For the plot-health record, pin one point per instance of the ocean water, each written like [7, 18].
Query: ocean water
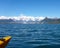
[31, 35]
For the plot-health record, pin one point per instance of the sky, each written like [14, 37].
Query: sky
[42, 8]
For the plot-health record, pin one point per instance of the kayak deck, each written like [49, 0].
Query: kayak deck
[4, 41]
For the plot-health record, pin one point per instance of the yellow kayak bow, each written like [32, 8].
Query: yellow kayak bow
[4, 41]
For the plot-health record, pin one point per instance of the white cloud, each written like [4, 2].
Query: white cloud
[22, 17]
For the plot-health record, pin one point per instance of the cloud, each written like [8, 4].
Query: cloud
[22, 17]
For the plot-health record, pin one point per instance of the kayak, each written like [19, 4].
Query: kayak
[4, 41]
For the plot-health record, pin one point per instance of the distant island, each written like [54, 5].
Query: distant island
[46, 20]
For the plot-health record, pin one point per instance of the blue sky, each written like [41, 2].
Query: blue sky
[49, 8]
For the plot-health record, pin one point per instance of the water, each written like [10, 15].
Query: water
[32, 35]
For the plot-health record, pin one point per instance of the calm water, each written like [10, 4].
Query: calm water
[32, 35]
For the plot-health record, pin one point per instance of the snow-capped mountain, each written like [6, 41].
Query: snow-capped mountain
[21, 19]
[29, 20]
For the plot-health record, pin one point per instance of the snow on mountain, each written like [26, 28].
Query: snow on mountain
[24, 18]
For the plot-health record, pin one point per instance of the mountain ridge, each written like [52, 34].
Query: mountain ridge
[46, 20]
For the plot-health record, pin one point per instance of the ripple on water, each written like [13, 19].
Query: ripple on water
[31, 36]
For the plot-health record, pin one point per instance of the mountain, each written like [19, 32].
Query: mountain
[6, 21]
[30, 21]
[18, 21]
[50, 21]
[27, 22]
